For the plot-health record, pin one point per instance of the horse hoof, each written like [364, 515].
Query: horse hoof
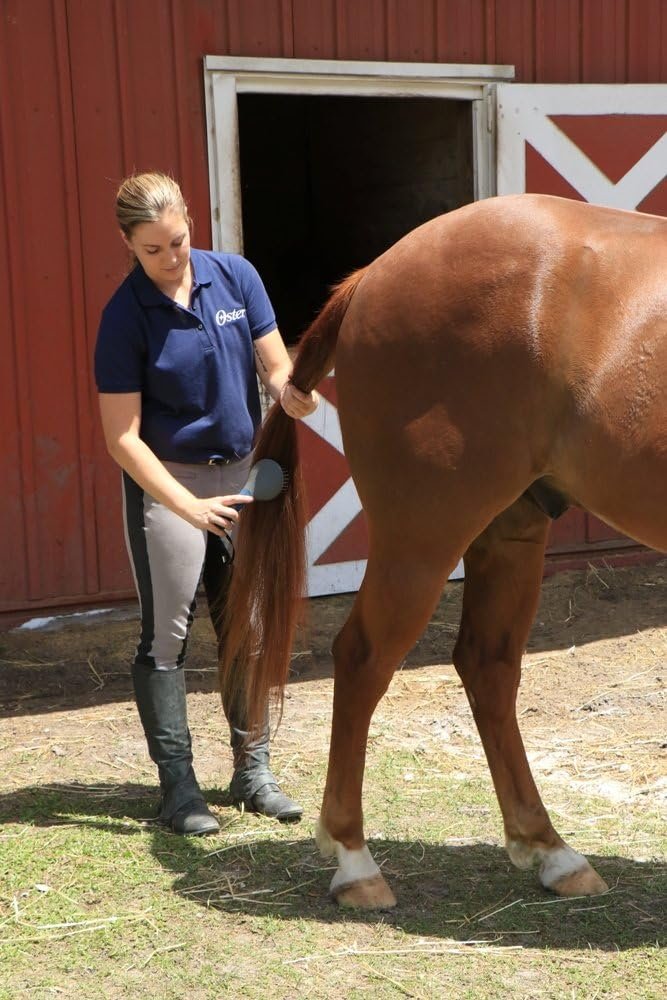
[585, 882]
[568, 873]
[366, 894]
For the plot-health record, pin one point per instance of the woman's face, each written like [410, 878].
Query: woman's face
[162, 248]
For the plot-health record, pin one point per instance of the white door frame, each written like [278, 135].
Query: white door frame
[225, 77]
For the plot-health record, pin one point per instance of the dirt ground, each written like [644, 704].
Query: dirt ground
[597, 653]
[250, 909]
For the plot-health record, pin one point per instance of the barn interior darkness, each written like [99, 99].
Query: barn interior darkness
[328, 183]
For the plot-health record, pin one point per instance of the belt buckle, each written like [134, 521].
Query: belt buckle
[218, 461]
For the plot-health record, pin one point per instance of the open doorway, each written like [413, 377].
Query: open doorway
[330, 182]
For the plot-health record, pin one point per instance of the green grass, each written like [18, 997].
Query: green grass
[95, 904]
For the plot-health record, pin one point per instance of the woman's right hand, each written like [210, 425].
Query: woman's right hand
[121, 420]
[215, 514]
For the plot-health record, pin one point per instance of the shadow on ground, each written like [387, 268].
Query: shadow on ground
[463, 892]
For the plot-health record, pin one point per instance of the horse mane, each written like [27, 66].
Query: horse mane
[264, 601]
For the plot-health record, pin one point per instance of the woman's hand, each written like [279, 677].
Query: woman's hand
[296, 403]
[121, 420]
[215, 514]
[274, 369]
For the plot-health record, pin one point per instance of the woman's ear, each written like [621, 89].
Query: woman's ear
[125, 239]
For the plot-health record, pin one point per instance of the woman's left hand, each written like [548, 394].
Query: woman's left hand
[296, 403]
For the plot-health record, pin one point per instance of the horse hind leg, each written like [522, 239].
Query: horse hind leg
[388, 617]
[503, 574]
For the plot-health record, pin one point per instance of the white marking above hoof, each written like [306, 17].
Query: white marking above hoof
[562, 870]
[568, 873]
[353, 866]
[358, 883]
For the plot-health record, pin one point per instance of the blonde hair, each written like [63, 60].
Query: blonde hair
[145, 197]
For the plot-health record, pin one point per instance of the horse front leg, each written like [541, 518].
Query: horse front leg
[503, 574]
[384, 623]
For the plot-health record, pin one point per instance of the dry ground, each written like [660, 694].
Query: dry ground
[596, 662]
[592, 708]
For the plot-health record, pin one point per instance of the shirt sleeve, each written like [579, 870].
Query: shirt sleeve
[119, 353]
[259, 311]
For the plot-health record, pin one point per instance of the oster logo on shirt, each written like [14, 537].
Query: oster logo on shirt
[222, 317]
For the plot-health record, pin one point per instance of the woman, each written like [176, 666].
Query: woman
[179, 347]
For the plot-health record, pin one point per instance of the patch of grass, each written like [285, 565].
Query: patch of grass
[94, 904]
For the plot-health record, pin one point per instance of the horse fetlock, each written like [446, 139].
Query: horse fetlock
[358, 882]
[353, 866]
[562, 870]
[326, 845]
[523, 855]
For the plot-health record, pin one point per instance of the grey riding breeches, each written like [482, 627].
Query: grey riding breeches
[169, 556]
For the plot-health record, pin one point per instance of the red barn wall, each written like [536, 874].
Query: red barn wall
[90, 91]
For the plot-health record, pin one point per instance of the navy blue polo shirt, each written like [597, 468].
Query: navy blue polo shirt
[195, 368]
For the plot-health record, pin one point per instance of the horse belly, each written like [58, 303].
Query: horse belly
[626, 489]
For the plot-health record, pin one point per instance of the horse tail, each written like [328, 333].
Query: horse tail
[264, 601]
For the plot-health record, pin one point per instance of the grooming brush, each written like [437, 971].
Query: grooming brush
[266, 480]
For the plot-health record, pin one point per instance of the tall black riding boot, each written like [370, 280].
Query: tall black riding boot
[253, 785]
[161, 701]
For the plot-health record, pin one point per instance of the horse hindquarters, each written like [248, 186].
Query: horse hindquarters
[503, 574]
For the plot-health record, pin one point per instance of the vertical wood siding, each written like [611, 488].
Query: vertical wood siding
[91, 91]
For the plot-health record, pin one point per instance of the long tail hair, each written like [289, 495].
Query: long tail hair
[268, 581]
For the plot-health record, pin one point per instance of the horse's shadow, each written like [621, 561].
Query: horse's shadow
[462, 892]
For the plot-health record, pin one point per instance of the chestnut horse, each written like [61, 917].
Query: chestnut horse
[494, 366]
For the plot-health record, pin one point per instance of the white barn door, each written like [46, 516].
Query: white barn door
[336, 537]
[605, 144]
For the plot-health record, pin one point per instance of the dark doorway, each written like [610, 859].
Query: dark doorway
[329, 183]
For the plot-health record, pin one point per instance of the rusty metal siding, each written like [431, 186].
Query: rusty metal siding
[548, 41]
[90, 91]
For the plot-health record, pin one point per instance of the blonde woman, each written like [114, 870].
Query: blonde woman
[179, 347]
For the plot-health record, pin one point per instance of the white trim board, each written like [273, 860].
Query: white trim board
[247, 66]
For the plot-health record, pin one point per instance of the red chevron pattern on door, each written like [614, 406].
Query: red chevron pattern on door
[337, 537]
[603, 144]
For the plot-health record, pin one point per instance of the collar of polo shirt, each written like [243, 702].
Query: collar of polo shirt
[150, 295]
